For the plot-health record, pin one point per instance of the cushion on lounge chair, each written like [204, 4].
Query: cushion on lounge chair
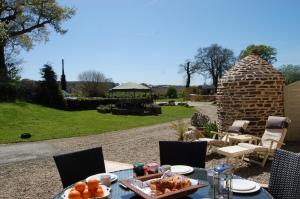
[256, 148]
[241, 123]
[275, 122]
[236, 129]
[274, 134]
[234, 151]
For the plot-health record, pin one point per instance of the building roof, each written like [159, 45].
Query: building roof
[130, 86]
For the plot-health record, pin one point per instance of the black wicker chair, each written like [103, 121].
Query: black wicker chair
[76, 166]
[285, 175]
[183, 153]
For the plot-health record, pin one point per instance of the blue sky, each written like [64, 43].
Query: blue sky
[146, 40]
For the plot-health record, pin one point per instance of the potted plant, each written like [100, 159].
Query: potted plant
[199, 120]
[180, 127]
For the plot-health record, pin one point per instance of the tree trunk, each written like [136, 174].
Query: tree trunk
[3, 68]
[215, 83]
[188, 75]
[188, 80]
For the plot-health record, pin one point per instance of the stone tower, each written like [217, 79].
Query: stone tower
[251, 90]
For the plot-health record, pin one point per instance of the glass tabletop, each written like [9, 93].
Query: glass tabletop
[120, 193]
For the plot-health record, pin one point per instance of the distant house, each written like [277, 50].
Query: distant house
[161, 90]
[207, 89]
[67, 95]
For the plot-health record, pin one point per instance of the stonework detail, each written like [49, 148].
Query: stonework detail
[251, 90]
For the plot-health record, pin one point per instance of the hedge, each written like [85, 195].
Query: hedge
[92, 104]
[8, 91]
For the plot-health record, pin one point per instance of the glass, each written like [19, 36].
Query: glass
[138, 169]
[105, 180]
[223, 179]
[210, 177]
[164, 168]
[152, 168]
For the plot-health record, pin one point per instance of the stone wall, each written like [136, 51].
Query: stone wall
[251, 90]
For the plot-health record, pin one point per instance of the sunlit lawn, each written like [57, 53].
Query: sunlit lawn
[46, 123]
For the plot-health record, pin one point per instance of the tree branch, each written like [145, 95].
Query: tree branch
[26, 30]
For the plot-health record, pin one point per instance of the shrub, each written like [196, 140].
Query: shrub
[155, 109]
[82, 104]
[208, 127]
[93, 103]
[48, 92]
[199, 120]
[8, 91]
[103, 109]
[172, 92]
[119, 111]
[183, 104]
[27, 90]
[171, 103]
[180, 127]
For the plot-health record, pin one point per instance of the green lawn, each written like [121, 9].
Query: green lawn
[46, 123]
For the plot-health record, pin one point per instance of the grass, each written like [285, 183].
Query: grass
[46, 123]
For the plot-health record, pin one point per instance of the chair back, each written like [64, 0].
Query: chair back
[76, 166]
[285, 175]
[276, 129]
[183, 153]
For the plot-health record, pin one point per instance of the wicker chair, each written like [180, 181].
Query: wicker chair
[285, 175]
[183, 153]
[76, 166]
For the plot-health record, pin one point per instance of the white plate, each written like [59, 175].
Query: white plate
[181, 169]
[106, 191]
[113, 177]
[235, 181]
[242, 185]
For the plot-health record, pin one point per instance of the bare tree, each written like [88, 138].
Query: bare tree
[214, 61]
[93, 83]
[189, 69]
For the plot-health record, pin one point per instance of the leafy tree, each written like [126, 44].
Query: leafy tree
[213, 61]
[172, 92]
[290, 72]
[49, 93]
[189, 69]
[267, 53]
[24, 22]
[93, 83]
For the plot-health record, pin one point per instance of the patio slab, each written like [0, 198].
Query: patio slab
[112, 166]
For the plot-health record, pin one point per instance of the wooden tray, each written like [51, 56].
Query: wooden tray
[174, 194]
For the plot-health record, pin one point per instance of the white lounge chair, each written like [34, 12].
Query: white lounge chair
[221, 139]
[264, 147]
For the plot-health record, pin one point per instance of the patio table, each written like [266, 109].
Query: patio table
[200, 174]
